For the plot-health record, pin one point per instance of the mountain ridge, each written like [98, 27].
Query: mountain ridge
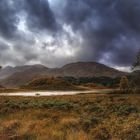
[21, 75]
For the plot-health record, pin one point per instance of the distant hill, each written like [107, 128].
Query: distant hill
[49, 84]
[17, 76]
[23, 75]
[8, 71]
[89, 69]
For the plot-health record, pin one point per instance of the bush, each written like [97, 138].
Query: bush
[101, 134]
[124, 110]
[40, 104]
[90, 122]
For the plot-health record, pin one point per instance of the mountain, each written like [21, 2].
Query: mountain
[89, 69]
[8, 71]
[22, 75]
[17, 76]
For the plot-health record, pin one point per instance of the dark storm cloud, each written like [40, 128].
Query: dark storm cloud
[21, 35]
[61, 31]
[103, 23]
[39, 15]
[8, 18]
[130, 13]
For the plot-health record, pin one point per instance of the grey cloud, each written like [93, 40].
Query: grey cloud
[39, 15]
[8, 19]
[3, 47]
[100, 22]
[109, 30]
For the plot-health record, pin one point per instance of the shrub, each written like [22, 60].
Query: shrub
[124, 110]
[101, 134]
[89, 123]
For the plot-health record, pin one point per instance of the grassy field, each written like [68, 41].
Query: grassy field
[79, 117]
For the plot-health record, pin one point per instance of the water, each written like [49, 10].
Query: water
[54, 93]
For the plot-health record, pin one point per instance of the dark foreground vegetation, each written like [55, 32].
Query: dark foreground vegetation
[49, 84]
[79, 117]
[65, 84]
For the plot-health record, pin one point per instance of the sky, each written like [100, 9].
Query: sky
[57, 32]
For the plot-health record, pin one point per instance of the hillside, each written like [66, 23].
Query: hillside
[89, 69]
[8, 71]
[22, 75]
[49, 84]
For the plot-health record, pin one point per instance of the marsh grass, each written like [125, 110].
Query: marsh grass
[88, 117]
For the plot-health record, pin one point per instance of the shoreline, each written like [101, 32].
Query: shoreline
[54, 93]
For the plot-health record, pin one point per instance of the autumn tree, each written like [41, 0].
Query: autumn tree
[124, 84]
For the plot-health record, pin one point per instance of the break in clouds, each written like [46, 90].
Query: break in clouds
[56, 32]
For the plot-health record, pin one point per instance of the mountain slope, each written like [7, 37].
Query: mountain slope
[8, 71]
[49, 84]
[89, 69]
[25, 74]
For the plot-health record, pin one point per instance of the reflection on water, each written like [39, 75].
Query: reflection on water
[51, 93]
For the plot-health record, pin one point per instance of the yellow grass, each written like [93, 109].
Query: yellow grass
[79, 117]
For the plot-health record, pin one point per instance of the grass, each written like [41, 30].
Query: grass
[79, 117]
